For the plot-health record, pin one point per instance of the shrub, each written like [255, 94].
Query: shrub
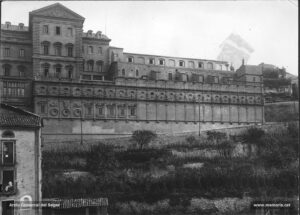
[101, 159]
[143, 137]
[253, 134]
[215, 135]
[293, 129]
[190, 139]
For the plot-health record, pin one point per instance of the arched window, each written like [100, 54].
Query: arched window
[57, 48]
[181, 63]
[130, 59]
[45, 68]
[57, 70]
[90, 50]
[161, 61]
[209, 65]
[90, 65]
[69, 47]
[200, 65]
[137, 73]
[8, 134]
[21, 70]
[99, 50]
[69, 69]
[172, 63]
[45, 45]
[191, 64]
[6, 68]
[123, 72]
[99, 64]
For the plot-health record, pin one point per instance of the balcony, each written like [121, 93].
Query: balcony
[8, 190]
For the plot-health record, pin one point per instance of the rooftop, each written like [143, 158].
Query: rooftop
[11, 116]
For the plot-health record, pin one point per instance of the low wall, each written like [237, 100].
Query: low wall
[63, 130]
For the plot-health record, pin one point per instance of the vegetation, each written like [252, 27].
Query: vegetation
[135, 178]
[143, 137]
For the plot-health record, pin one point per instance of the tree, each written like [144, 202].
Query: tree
[143, 137]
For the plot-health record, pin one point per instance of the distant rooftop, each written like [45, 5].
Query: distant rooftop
[10, 27]
[97, 35]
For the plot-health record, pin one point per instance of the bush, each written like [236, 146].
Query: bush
[293, 129]
[253, 134]
[143, 137]
[101, 159]
[215, 136]
[190, 139]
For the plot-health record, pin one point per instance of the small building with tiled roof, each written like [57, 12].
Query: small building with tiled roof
[20, 162]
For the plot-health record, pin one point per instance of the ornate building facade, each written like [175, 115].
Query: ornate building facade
[80, 84]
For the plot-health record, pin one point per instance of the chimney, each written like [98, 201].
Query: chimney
[7, 24]
[21, 25]
[90, 32]
[98, 34]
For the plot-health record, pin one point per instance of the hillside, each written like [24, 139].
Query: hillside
[282, 111]
[213, 174]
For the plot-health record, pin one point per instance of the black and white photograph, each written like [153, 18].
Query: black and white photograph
[149, 107]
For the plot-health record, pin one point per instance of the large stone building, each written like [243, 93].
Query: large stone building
[20, 163]
[80, 84]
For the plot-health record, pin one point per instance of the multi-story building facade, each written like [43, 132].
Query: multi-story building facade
[80, 84]
[20, 160]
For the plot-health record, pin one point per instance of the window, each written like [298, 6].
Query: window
[170, 77]
[90, 65]
[8, 180]
[6, 52]
[161, 62]
[22, 53]
[191, 64]
[8, 134]
[130, 59]
[216, 79]
[209, 65]
[42, 108]
[99, 50]
[58, 71]
[90, 50]
[57, 30]
[151, 61]
[21, 71]
[45, 29]
[46, 69]
[123, 72]
[69, 71]
[15, 89]
[45, 45]
[8, 152]
[200, 65]
[137, 73]
[111, 110]
[6, 68]
[70, 32]
[254, 79]
[181, 63]
[121, 111]
[88, 110]
[132, 110]
[57, 49]
[70, 51]
[99, 66]
[101, 110]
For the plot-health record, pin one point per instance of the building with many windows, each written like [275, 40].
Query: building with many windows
[20, 163]
[80, 84]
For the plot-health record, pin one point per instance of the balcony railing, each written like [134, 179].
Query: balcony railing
[9, 191]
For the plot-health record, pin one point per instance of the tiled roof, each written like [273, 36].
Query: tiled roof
[15, 117]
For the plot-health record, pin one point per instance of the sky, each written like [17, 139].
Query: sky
[192, 29]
